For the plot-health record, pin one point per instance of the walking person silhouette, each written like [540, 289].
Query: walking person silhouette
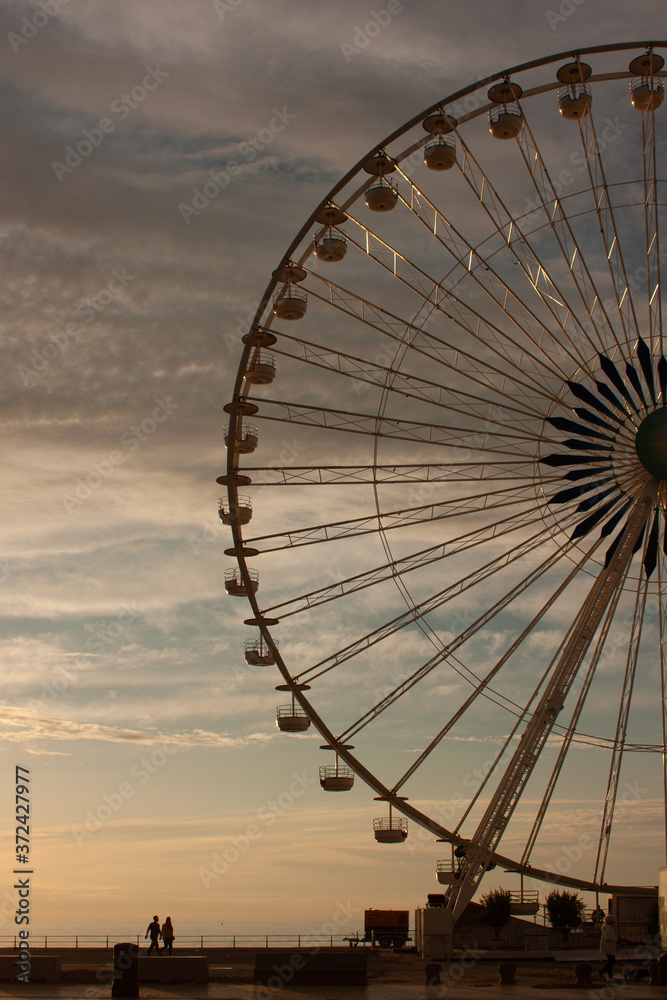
[154, 930]
[167, 935]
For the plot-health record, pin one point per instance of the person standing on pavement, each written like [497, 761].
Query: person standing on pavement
[608, 946]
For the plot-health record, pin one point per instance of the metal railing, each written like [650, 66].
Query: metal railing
[184, 941]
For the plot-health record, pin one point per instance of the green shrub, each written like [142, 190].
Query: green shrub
[496, 906]
[565, 911]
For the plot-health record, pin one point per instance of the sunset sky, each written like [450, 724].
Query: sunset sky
[152, 747]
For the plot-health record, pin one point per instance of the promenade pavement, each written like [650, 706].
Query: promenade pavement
[546, 980]
[374, 991]
[379, 991]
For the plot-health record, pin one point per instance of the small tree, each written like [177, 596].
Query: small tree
[497, 910]
[565, 911]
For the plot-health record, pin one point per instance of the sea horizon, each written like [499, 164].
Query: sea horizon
[94, 933]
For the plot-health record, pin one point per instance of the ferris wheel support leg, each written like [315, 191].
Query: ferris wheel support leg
[498, 813]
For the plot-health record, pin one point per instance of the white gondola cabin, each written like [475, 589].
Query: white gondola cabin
[292, 719]
[647, 91]
[440, 154]
[647, 95]
[336, 777]
[390, 830]
[505, 120]
[261, 369]
[238, 513]
[258, 654]
[290, 303]
[505, 123]
[575, 99]
[446, 872]
[381, 197]
[234, 584]
[525, 903]
[245, 440]
[331, 247]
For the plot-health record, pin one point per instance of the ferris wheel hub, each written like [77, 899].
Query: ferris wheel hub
[651, 443]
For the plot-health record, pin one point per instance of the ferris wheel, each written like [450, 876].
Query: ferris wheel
[453, 544]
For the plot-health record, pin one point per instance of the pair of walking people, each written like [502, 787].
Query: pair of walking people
[155, 932]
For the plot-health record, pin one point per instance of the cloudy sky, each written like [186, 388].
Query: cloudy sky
[129, 278]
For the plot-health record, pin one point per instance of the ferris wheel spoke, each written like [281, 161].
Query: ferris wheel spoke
[408, 385]
[417, 611]
[436, 601]
[446, 655]
[392, 519]
[428, 345]
[501, 758]
[567, 242]
[653, 286]
[440, 296]
[520, 248]
[608, 228]
[393, 475]
[437, 435]
[480, 270]
[482, 686]
[407, 564]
